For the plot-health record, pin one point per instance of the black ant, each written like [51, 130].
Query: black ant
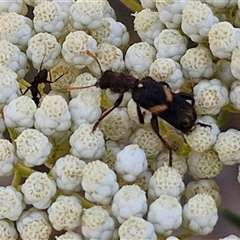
[41, 77]
[156, 97]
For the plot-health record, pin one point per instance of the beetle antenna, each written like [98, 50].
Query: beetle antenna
[77, 88]
[90, 54]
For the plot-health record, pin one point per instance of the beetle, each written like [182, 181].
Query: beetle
[157, 97]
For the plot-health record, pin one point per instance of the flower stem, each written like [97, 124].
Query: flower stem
[185, 235]
[85, 202]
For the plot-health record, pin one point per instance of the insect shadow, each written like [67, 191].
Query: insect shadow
[157, 97]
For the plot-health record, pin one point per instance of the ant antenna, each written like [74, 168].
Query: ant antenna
[90, 54]
[43, 57]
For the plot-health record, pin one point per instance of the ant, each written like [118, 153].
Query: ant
[156, 97]
[41, 77]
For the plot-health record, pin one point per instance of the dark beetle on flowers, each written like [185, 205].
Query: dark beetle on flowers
[157, 97]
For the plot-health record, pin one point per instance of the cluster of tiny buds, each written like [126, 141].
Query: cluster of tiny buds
[80, 157]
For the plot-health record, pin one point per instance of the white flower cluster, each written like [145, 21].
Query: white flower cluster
[95, 175]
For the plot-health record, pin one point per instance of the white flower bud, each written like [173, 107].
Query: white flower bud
[17, 29]
[147, 25]
[38, 190]
[221, 6]
[53, 116]
[170, 217]
[109, 57]
[116, 125]
[208, 186]
[67, 172]
[197, 63]
[223, 38]
[203, 138]
[165, 69]
[8, 158]
[129, 201]
[200, 214]
[210, 96]
[2, 126]
[30, 223]
[7, 230]
[230, 237]
[99, 182]
[228, 146]
[9, 86]
[11, 203]
[33, 147]
[19, 113]
[85, 15]
[75, 46]
[86, 107]
[138, 59]
[65, 213]
[170, 44]
[43, 50]
[97, 224]
[11, 57]
[111, 31]
[131, 162]
[50, 18]
[197, 19]
[17, 6]
[235, 59]
[165, 180]
[148, 141]
[170, 12]
[69, 235]
[86, 144]
[136, 228]
[204, 164]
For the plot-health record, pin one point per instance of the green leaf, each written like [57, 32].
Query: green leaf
[231, 217]
[133, 5]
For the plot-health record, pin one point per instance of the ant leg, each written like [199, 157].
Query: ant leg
[116, 104]
[140, 115]
[155, 127]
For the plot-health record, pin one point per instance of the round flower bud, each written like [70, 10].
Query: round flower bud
[33, 147]
[69, 235]
[131, 162]
[170, 44]
[228, 146]
[111, 31]
[203, 138]
[97, 224]
[2, 126]
[86, 144]
[30, 222]
[7, 230]
[75, 46]
[210, 96]
[8, 158]
[53, 116]
[165, 180]
[129, 201]
[138, 59]
[99, 182]
[38, 190]
[18, 6]
[147, 25]
[148, 141]
[200, 214]
[11, 203]
[50, 18]
[67, 172]
[197, 63]
[170, 217]
[43, 50]
[65, 213]
[136, 228]
[230, 237]
[19, 113]
[234, 95]
[204, 164]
